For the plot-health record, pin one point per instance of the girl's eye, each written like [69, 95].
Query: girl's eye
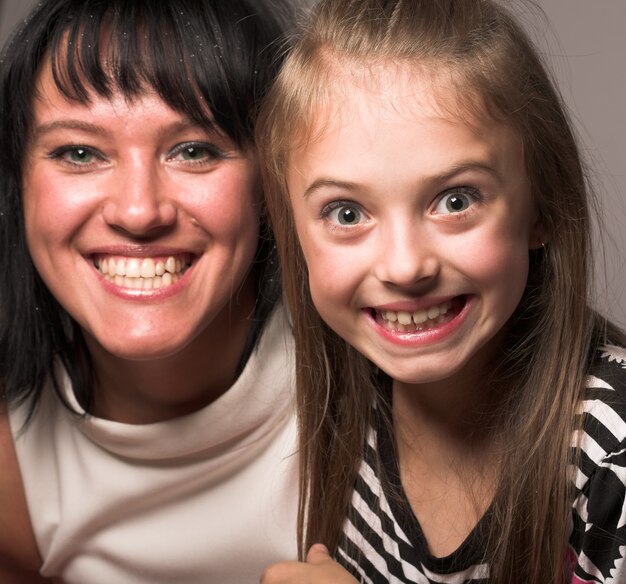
[456, 201]
[344, 214]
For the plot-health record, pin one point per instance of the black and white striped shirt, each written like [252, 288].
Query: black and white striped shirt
[382, 542]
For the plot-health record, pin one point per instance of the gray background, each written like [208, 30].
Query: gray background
[585, 44]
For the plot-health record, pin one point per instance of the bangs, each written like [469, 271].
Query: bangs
[202, 67]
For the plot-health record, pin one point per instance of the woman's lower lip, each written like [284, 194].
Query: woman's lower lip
[427, 336]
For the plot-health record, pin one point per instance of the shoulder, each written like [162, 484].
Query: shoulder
[601, 460]
[598, 539]
[19, 557]
[608, 370]
[604, 400]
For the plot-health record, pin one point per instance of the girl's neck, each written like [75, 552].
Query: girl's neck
[143, 392]
[448, 457]
[442, 417]
[457, 407]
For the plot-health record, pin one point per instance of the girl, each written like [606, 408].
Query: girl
[463, 413]
[144, 356]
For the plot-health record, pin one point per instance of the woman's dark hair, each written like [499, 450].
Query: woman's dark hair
[210, 60]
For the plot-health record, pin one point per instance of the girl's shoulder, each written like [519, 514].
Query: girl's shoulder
[599, 534]
[604, 400]
[607, 374]
[609, 365]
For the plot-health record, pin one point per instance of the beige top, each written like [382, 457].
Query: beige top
[209, 497]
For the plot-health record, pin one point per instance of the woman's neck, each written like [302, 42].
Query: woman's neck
[143, 392]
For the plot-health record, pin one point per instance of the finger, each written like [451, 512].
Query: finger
[282, 573]
[318, 554]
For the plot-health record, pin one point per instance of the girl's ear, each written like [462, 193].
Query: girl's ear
[538, 235]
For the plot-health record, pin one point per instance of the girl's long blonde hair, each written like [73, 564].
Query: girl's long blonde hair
[553, 334]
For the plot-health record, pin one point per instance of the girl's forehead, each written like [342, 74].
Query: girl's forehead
[399, 89]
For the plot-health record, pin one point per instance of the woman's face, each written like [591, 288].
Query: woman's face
[142, 224]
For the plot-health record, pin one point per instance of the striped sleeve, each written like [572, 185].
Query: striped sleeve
[598, 542]
[373, 546]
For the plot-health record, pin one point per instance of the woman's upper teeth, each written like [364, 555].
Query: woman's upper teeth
[134, 267]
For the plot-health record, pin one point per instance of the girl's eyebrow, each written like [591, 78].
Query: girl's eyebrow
[444, 176]
[468, 166]
[328, 182]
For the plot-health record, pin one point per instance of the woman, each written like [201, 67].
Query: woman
[144, 360]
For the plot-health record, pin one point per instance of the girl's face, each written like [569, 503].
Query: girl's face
[415, 225]
[142, 224]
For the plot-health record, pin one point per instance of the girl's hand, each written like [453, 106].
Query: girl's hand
[319, 568]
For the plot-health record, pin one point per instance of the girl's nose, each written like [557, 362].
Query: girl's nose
[140, 203]
[406, 258]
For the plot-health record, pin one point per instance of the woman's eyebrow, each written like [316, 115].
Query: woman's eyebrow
[88, 127]
[182, 126]
[47, 128]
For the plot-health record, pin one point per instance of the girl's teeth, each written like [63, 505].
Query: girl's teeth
[390, 316]
[420, 316]
[404, 321]
[404, 318]
[433, 312]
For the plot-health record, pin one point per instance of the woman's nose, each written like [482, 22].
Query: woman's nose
[140, 203]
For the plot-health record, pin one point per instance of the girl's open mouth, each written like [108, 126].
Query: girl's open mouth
[421, 320]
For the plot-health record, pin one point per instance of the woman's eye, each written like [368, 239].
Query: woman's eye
[344, 214]
[196, 153]
[456, 201]
[80, 156]
[76, 155]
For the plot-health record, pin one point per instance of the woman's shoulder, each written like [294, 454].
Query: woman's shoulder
[19, 557]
